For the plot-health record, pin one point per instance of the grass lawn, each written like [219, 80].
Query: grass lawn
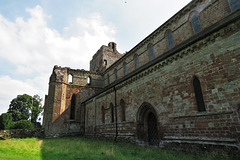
[88, 149]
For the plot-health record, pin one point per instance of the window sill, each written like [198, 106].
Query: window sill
[203, 114]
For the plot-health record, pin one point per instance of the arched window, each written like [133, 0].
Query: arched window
[70, 78]
[136, 61]
[122, 104]
[125, 68]
[234, 4]
[170, 40]
[73, 103]
[151, 53]
[89, 79]
[103, 115]
[115, 72]
[198, 95]
[196, 24]
[105, 62]
[112, 112]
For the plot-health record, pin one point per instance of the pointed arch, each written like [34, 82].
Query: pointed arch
[198, 94]
[147, 124]
[195, 22]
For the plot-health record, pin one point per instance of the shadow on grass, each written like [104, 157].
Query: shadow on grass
[93, 149]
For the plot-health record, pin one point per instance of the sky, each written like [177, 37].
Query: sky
[35, 35]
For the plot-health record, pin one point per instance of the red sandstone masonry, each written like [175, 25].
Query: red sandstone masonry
[165, 87]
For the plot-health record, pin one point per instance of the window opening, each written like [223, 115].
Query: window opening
[234, 4]
[112, 112]
[122, 103]
[89, 79]
[196, 24]
[151, 52]
[105, 62]
[70, 78]
[199, 95]
[73, 103]
[170, 40]
[136, 61]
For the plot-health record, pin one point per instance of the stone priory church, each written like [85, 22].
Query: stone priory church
[179, 85]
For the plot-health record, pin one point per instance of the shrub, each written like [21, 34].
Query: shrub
[5, 121]
[23, 124]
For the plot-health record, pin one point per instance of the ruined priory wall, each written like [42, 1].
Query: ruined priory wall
[57, 109]
[168, 87]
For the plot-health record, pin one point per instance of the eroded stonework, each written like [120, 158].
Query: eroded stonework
[188, 94]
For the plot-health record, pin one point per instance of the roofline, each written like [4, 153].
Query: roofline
[201, 35]
[127, 53]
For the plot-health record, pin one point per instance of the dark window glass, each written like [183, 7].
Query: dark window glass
[196, 24]
[198, 95]
[112, 112]
[122, 103]
[170, 40]
[151, 52]
[234, 4]
[73, 102]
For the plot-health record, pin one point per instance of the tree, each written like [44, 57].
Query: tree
[22, 124]
[36, 109]
[25, 107]
[5, 121]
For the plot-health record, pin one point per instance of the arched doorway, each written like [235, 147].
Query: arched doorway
[147, 125]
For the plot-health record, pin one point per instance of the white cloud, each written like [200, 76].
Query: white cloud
[34, 48]
[10, 88]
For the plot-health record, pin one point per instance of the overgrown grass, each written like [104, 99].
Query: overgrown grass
[88, 149]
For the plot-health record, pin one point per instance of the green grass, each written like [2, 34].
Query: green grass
[88, 149]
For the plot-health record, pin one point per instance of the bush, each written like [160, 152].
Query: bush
[23, 124]
[5, 121]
